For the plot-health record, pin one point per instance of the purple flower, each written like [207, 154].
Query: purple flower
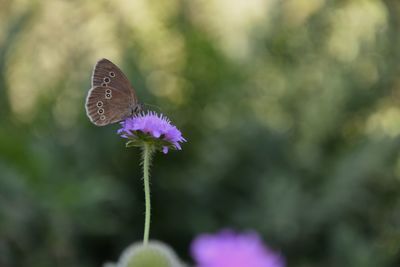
[153, 128]
[230, 249]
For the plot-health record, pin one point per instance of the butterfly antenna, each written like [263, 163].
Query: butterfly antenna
[154, 106]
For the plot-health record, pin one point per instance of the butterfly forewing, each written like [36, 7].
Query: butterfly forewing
[106, 73]
[105, 105]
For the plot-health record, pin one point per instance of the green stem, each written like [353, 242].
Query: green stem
[147, 154]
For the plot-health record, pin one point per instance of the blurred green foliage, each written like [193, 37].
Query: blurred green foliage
[291, 111]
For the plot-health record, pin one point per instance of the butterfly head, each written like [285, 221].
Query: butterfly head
[137, 108]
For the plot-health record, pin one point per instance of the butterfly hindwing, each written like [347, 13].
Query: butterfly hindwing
[105, 105]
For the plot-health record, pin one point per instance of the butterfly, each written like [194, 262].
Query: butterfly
[111, 98]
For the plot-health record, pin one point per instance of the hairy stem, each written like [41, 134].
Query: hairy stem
[147, 155]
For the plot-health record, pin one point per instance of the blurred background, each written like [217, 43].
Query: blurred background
[291, 110]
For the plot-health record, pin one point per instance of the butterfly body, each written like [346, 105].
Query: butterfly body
[111, 98]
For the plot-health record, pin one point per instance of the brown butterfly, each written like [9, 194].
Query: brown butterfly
[111, 98]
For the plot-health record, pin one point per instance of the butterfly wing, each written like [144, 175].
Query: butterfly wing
[106, 73]
[105, 105]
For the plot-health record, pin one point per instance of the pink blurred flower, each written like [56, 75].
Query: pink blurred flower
[230, 249]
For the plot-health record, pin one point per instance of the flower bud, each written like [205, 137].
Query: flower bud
[154, 254]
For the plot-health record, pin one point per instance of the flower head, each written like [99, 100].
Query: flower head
[155, 253]
[153, 128]
[229, 249]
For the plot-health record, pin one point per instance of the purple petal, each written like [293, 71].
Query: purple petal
[155, 126]
[156, 134]
[229, 249]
